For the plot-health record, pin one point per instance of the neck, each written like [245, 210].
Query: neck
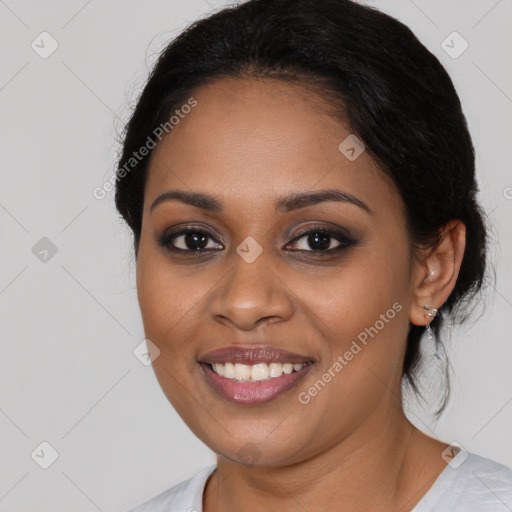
[386, 464]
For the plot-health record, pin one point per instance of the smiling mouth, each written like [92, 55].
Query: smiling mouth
[253, 374]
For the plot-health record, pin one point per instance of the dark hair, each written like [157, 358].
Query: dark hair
[394, 94]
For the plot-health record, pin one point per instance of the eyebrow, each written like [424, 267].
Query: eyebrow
[284, 204]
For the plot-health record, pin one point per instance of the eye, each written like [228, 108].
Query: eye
[190, 239]
[322, 240]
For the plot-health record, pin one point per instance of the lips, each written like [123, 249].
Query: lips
[253, 392]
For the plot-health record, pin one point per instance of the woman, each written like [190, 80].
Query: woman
[299, 180]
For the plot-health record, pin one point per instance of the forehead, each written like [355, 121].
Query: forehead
[258, 139]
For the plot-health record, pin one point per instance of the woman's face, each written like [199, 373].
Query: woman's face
[338, 298]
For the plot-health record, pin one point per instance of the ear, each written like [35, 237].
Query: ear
[436, 272]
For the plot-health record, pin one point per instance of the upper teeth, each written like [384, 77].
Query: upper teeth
[254, 372]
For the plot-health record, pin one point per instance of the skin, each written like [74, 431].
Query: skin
[351, 448]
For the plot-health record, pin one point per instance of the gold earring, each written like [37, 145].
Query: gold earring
[432, 312]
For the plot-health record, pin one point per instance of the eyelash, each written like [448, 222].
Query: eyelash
[345, 241]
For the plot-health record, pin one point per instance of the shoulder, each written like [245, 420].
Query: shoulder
[470, 483]
[186, 496]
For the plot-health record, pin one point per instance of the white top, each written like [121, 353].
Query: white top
[470, 483]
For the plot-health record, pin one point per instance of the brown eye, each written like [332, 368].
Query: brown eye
[322, 240]
[318, 242]
[191, 240]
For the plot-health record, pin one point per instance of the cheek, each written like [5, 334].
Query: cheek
[361, 363]
[170, 306]
[361, 312]
[165, 308]
[166, 295]
[351, 298]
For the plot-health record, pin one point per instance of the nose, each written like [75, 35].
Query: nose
[251, 295]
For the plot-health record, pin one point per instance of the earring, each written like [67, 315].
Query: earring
[432, 312]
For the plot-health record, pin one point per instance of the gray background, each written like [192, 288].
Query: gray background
[70, 320]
